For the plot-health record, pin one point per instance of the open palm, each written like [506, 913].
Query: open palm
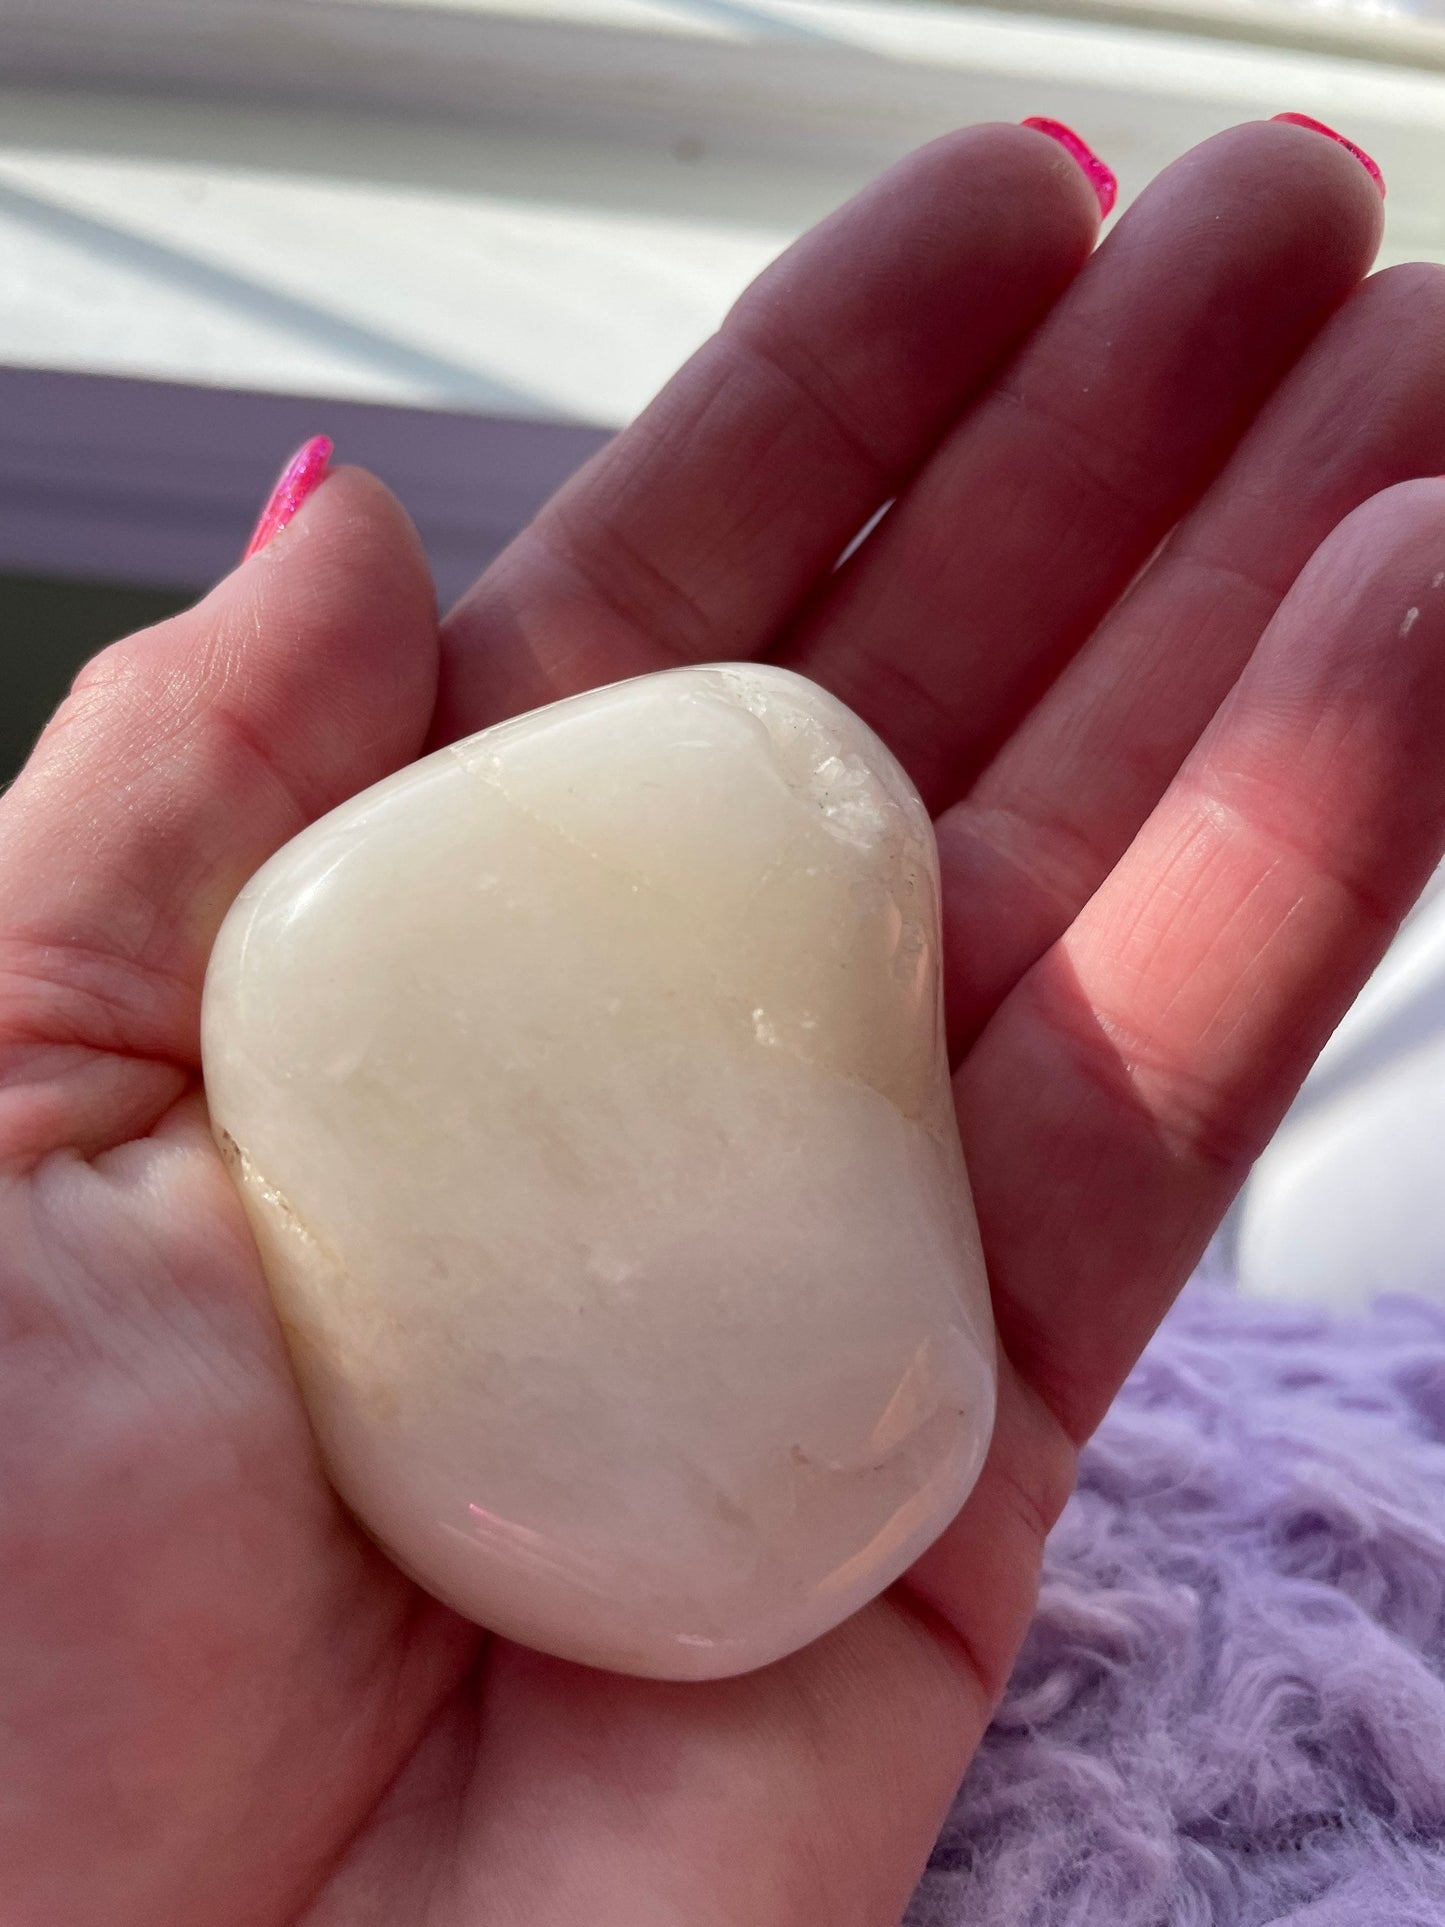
[1184, 793]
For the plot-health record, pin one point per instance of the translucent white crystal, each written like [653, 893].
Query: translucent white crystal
[586, 1088]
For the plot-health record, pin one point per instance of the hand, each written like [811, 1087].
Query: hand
[1180, 813]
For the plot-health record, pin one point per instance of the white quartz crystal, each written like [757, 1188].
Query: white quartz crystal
[586, 1088]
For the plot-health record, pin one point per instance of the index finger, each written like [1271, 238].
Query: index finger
[697, 532]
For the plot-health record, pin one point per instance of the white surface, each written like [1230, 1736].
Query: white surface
[1349, 1198]
[540, 210]
[240, 273]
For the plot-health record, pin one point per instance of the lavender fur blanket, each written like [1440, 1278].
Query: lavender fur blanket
[1231, 1708]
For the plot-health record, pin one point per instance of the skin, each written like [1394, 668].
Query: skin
[1142, 624]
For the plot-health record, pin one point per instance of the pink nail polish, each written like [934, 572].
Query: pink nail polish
[1318, 127]
[302, 476]
[1101, 178]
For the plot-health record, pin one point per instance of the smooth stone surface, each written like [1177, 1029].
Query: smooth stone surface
[586, 1087]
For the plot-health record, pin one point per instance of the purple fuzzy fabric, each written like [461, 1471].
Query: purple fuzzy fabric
[1231, 1707]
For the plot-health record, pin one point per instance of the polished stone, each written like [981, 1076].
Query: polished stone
[586, 1089]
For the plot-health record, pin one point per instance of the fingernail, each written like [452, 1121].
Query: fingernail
[302, 476]
[1101, 178]
[1318, 127]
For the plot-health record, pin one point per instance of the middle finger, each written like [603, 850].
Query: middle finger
[1033, 515]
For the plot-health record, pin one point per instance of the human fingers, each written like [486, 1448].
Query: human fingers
[700, 528]
[1034, 514]
[1050, 816]
[1118, 1096]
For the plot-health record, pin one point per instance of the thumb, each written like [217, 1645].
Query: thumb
[182, 758]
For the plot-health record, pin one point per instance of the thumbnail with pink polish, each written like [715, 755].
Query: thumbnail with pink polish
[301, 477]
